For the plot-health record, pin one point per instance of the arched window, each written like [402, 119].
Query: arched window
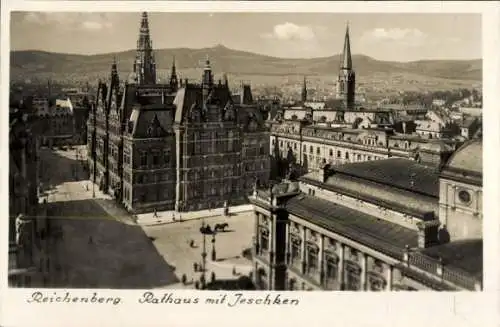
[352, 276]
[264, 240]
[312, 259]
[376, 282]
[295, 255]
[331, 270]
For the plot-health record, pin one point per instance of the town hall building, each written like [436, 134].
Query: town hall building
[181, 145]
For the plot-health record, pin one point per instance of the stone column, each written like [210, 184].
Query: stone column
[477, 208]
[287, 243]
[257, 233]
[303, 250]
[453, 196]
[321, 258]
[389, 279]
[364, 260]
[272, 239]
[341, 266]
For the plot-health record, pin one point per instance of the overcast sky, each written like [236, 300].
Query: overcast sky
[398, 37]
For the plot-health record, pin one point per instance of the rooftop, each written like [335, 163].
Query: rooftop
[384, 236]
[468, 158]
[466, 255]
[395, 172]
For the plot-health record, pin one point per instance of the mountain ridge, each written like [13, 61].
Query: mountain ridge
[34, 62]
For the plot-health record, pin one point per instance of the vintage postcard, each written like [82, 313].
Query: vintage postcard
[224, 159]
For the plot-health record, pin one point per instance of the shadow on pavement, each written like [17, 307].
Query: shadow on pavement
[242, 283]
[96, 251]
[51, 165]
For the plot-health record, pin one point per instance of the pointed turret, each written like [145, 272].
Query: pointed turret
[174, 83]
[304, 91]
[207, 80]
[144, 65]
[115, 79]
[346, 54]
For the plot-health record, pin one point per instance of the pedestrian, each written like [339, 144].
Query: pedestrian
[154, 213]
[173, 216]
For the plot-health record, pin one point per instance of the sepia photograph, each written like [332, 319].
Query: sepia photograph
[245, 151]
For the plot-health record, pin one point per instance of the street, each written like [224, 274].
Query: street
[95, 243]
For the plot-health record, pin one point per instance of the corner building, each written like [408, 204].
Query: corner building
[180, 145]
[382, 225]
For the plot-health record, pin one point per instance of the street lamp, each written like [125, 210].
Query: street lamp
[214, 257]
[203, 230]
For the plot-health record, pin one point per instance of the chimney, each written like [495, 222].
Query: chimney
[428, 232]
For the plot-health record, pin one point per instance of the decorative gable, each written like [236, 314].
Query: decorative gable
[229, 112]
[155, 129]
[252, 124]
[195, 114]
[113, 106]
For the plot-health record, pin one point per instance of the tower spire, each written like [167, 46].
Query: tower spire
[304, 91]
[346, 82]
[346, 55]
[207, 74]
[174, 84]
[144, 65]
[115, 80]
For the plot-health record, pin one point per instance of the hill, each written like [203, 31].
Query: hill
[33, 64]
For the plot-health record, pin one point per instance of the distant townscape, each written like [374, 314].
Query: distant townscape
[226, 170]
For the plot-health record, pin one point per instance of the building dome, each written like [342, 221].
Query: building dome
[468, 158]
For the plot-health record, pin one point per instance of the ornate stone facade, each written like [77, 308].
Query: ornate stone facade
[362, 229]
[179, 145]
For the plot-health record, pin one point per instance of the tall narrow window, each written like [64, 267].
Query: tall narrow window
[312, 260]
[331, 271]
[230, 145]
[144, 158]
[264, 240]
[295, 255]
[156, 158]
[352, 277]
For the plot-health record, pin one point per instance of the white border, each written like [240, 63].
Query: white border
[353, 309]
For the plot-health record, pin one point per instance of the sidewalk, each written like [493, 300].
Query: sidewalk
[166, 217]
[88, 187]
[223, 271]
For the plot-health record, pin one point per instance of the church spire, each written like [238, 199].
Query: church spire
[346, 82]
[346, 55]
[304, 91]
[144, 65]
